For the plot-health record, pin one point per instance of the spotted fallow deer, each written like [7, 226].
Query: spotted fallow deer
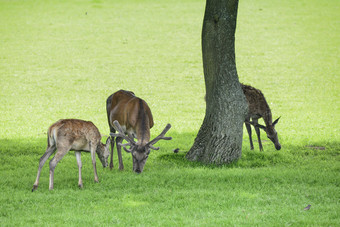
[258, 108]
[73, 134]
[131, 118]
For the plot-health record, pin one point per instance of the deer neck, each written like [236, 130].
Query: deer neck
[143, 125]
[267, 118]
[143, 134]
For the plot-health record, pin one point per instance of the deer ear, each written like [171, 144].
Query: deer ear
[261, 127]
[277, 120]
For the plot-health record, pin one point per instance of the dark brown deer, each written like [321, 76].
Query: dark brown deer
[72, 134]
[258, 108]
[131, 117]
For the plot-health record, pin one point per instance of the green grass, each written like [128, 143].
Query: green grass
[62, 59]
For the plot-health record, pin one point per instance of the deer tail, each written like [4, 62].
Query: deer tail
[51, 136]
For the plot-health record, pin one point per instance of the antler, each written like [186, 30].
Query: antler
[126, 149]
[121, 134]
[132, 143]
[161, 136]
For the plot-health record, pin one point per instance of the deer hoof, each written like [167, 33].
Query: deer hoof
[34, 188]
[80, 186]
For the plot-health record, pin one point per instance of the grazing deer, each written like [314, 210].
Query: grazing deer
[257, 108]
[131, 115]
[72, 134]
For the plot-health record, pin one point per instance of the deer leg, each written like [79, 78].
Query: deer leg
[112, 147]
[80, 165]
[93, 157]
[53, 163]
[49, 151]
[259, 137]
[248, 127]
[257, 130]
[119, 152]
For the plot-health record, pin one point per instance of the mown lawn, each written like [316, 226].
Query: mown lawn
[62, 59]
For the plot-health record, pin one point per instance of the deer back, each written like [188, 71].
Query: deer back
[257, 104]
[78, 134]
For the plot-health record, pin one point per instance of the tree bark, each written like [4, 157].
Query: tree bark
[219, 139]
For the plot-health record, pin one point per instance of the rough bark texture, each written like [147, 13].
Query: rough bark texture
[219, 139]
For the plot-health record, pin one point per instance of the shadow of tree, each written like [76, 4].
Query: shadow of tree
[290, 154]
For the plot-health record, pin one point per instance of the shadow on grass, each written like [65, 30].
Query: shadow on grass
[23, 146]
[288, 155]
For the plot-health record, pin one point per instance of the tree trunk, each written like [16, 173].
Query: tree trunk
[219, 139]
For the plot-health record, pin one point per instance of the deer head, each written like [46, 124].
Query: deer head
[139, 152]
[103, 152]
[271, 132]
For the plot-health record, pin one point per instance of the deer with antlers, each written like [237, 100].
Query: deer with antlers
[259, 108]
[130, 117]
